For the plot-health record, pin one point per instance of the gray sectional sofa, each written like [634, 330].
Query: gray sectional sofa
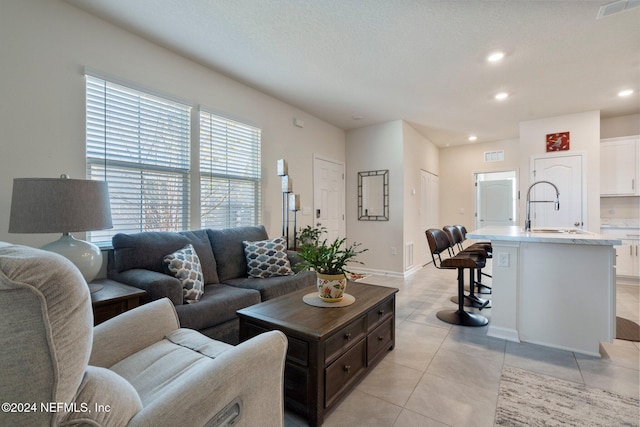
[137, 260]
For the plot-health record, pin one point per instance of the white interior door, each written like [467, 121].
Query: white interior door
[495, 203]
[566, 173]
[328, 197]
[429, 208]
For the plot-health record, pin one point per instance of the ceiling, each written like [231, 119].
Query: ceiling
[354, 63]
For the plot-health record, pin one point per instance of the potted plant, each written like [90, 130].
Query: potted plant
[309, 235]
[329, 261]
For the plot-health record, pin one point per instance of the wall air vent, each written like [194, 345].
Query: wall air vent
[494, 156]
[616, 7]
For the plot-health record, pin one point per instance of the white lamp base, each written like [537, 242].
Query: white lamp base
[84, 255]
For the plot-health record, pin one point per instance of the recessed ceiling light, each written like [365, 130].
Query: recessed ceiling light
[495, 56]
[502, 95]
[472, 138]
[626, 92]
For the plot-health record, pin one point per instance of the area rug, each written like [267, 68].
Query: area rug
[529, 399]
[627, 330]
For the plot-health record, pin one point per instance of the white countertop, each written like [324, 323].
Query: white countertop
[624, 223]
[547, 235]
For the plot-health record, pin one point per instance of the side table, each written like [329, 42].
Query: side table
[113, 298]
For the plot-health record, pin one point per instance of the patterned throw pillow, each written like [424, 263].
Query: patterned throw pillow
[184, 264]
[267, 258]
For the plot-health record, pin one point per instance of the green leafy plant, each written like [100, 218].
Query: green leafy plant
[310, 235]
[329, 258]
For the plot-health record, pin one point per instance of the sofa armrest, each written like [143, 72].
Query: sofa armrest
[131, 331]
[157, 285]
[251, 373]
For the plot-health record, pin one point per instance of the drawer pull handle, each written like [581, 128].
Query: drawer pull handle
[347, 336]
[381, 312]
[380, 338]
[347, 368]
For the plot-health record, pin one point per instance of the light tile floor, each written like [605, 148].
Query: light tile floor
[446, 375]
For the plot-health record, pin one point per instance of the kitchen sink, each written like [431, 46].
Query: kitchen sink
[558, 230]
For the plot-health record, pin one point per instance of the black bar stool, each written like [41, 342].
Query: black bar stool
[438, 243]
[487, 248]
[459, 316]
[471, 300]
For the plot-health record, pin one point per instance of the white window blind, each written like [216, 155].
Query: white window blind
[140, 144]
[229, 172]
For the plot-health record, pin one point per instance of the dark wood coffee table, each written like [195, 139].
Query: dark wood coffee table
[330, 349]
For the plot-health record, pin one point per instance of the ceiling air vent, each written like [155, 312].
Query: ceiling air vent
[616, 7]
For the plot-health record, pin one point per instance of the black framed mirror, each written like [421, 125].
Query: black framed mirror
[373, 195]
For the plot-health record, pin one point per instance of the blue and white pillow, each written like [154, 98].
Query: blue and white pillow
[185, 266]
[267, 258]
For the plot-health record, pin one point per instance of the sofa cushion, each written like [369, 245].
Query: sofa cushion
[229, 252]
[167, 359]
[145, 250]
[184, 264]
[201, 243]
[218, 304]
[273, 287]
[267, 258]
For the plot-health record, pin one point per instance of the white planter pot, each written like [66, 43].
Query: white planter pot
[331, 286]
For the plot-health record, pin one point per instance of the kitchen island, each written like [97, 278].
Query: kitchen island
[553, 287]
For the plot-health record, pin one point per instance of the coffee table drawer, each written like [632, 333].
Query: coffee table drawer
[379, 340]
[337, 343]
[341, 373]
[380, 313]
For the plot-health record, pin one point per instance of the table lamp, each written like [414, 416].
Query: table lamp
[63, 205]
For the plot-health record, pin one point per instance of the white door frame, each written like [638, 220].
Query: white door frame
[474, 177]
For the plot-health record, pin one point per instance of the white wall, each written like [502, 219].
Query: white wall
[458, 165]
[398, 147]
[45, 48]
[584, 129]
[620, 126]
[419, 154]
[376, 147]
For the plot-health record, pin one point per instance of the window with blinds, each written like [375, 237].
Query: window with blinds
[229, 172]
[140, 145]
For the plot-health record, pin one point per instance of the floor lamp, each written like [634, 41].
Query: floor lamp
[63, 205]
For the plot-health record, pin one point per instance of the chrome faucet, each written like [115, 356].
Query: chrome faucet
[556, 203]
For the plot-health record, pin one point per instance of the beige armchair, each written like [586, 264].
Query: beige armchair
[139, 368]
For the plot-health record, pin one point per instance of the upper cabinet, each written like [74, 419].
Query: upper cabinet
[619, 169]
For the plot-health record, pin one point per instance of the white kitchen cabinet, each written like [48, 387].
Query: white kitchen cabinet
[538, 296]
[619, 170]
[627, 254]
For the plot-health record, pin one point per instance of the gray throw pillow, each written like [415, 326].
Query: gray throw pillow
[267, 258]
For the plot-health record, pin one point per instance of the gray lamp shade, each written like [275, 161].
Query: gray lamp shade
[59, 205]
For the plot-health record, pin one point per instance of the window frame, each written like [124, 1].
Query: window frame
[193, 214]
[248, 134]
